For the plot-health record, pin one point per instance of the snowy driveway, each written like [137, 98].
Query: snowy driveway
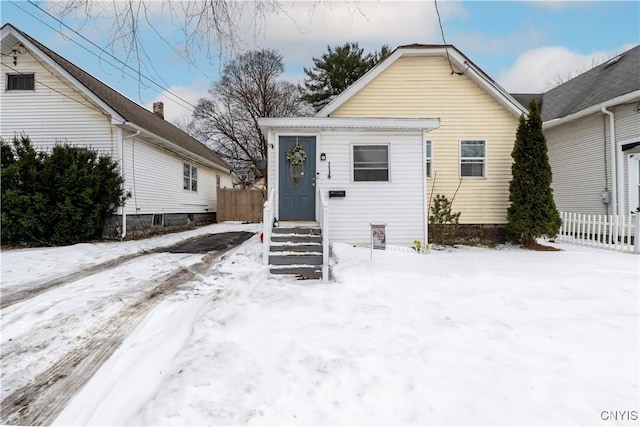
[60, 324]
[469, 336]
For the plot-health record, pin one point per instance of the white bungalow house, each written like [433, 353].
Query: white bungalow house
[424, 121]
[172, 177]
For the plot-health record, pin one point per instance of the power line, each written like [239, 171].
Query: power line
[446, 49]
[138, 74]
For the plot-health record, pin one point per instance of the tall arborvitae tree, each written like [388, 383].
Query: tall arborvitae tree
[532, 212]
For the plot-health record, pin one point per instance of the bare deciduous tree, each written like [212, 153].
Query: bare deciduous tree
[564, 77]
[249, 88]
[211, 26]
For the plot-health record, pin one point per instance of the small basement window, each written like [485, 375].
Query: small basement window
[158, 220]
[371, 163]
[20, 82]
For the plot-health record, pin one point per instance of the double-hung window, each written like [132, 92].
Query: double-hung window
[20, 82]
[371, 162]
[429, 159]
[473, 158]
[190, 177]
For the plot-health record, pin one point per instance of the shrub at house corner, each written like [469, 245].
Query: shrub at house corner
[532, 212]
[56, 198]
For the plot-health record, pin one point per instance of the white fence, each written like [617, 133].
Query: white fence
[616, 232]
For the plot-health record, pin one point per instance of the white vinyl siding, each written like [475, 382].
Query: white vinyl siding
[155, 179]
[577, 153]
[627, 122]
[398, 202]
[422, 87]
[53, 113]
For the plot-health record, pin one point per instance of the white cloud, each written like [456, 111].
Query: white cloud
[176, 109]
[535, 69]
[304, 29]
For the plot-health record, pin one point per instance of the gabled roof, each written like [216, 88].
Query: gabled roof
[460, 63]
[128, 110]
[613, 79]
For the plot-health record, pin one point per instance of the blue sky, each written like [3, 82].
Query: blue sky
[523, 45]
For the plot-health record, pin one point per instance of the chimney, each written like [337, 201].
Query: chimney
[158, 109]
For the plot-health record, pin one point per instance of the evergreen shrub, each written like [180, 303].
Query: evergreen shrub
[57, 198]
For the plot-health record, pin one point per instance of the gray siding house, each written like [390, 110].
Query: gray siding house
[172, 177]
[592, 126]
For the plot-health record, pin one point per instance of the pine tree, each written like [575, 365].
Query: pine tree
[336, 70]
[532, 212]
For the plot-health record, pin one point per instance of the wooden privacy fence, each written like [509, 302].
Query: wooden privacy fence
[617, 232]
[235, 204]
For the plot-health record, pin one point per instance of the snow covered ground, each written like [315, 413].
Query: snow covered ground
[456, 337]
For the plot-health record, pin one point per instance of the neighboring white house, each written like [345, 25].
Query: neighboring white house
[424, 121]
[172, 177]
[592, 126]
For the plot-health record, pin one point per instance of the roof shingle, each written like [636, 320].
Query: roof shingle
[616, 77]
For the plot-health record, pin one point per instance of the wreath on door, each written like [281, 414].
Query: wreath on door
[296, 156]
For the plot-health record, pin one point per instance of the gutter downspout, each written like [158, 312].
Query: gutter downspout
[425, 188]
[122, 168]
[614, 163]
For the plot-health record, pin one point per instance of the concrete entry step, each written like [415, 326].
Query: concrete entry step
[296, 250]
[302, 273]
[295, 238]
[283, 247]
[305, 231]
[295, 260]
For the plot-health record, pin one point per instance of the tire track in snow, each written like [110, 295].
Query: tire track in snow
[33, 289]
[40, 401]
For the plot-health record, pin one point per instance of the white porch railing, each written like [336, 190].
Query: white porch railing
[616, 232]
[267, 225]
[324, 226]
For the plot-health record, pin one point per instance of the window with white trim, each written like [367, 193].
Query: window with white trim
[190, 181]
[429, 160]
[217, 180]
[473, 158]
[20, 82]
[371, 162]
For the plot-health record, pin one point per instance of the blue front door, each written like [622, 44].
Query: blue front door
[297, 178]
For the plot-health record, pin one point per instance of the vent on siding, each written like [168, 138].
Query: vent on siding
[158, 220]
